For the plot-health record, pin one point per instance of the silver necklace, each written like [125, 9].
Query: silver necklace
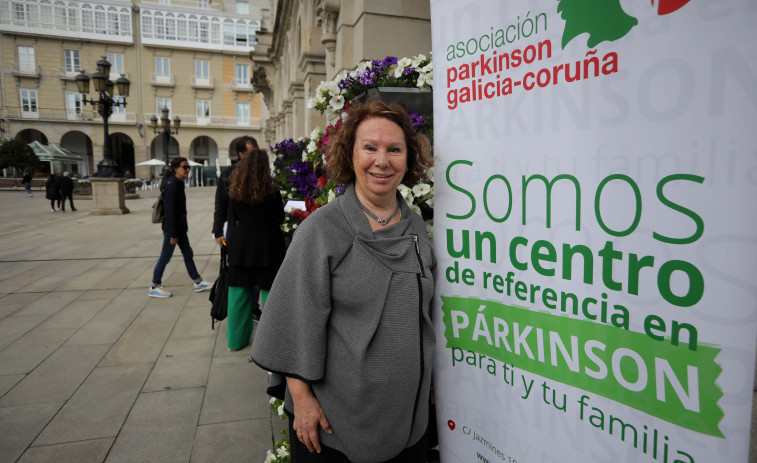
[383, 222]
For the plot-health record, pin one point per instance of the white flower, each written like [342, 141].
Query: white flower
[332, 195]
[294, 225]
[430, 201]
[272, 401]
[405, 192]
[421, 81]
[421, 189]
[344, 116]
[363, 65]
[269, 457]
[418, 60]
[398, 71]
[430, 174]
[312, 146]
[427, 68]
[315, 134]
[319, 99]
[323, 158]
[430, 79]
[285, 227]
[305, 155]
[280, 410]
[337, 102]
[289, 195]
[311, 103]
[404, 62]
[415, 208]
[282, 451]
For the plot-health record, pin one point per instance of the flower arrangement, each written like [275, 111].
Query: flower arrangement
[332, 96]
[281, 450]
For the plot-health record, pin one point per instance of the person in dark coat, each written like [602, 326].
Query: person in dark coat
[66, 191]
[27, 180]
[243, 145]
[255, 241]
[175, 229]
[52, 191]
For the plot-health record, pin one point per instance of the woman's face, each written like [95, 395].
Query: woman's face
[182, 172]
[379, 157]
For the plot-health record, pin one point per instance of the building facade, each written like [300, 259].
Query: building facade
[304, 42]
[190, 56]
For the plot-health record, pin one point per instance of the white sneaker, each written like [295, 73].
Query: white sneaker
[158, 291]
[203, 286]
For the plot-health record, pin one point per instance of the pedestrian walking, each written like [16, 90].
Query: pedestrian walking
[66, 191]
[52, 191]
[27, 180]
[175, 229]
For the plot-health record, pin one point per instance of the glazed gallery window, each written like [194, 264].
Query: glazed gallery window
[243, 113]
[71, 61]
[29, 106]
[243, 8]
[26, 63]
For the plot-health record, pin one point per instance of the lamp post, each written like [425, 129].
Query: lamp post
[105, 103]
[166, 128]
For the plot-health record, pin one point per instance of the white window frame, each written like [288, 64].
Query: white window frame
[243, 8]
[30, 109]
[163, 69]
[71, 61]
[74, 106]
[161, 103]
[116, 65]
[26, 60]
[243, 113]
[242, 79]
[202, 111]
[202, 72]
[119, 111]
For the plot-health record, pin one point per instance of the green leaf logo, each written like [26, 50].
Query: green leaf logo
[603, 20]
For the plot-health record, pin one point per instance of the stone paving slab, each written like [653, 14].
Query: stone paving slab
[25, 354]
[57, 378]
[20, 425]
[234, 442]
[99, 407]
[184, 363]
[161, 428]
[232, 379]
[89, 451]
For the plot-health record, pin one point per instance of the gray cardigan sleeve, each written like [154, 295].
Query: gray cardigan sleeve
[292, 333]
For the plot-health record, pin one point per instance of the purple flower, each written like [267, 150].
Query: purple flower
[389, 61]
[416, 119]
[339, 189]
[408, 70]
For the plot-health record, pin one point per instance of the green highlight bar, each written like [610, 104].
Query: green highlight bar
[672, 383]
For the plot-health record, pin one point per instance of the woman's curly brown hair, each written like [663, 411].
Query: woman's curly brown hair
[251, 179]
[339, 166]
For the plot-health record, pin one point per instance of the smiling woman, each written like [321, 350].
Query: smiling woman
[348, 312]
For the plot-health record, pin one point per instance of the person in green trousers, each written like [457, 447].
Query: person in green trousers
[255, 241]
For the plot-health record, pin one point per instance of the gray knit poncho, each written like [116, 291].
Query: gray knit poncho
[349, 314]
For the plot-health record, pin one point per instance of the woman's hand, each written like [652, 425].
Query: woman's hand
[308, 414]
[173, 241]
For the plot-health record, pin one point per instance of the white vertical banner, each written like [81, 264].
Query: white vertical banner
[596, 181]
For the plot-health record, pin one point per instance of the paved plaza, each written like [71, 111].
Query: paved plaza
[92, 369]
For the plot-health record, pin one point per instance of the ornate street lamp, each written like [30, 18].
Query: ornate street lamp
[105, 103]
[165, 128]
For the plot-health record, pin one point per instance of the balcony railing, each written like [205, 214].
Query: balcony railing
[162, 79]
[243, 84]
[212, 121]
[202, 82]
[30, 71]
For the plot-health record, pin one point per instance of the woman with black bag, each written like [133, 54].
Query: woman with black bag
[255, 242]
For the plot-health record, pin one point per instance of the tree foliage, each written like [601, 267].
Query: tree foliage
[16, 153]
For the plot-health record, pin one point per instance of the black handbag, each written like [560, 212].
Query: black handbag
[219, 294]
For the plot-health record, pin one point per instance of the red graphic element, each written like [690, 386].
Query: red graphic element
[451, 425]
[668, 6]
